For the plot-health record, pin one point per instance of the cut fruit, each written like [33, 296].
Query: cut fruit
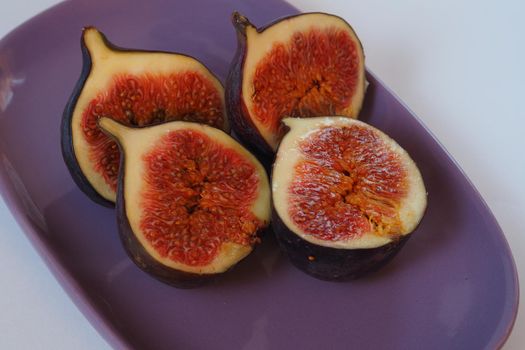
[346, 196]
[136, 88]
[191, 200]
[301, 66]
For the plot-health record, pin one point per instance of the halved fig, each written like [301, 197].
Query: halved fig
[346, 197]
[191, 200]
[136, 88]
[305, 65]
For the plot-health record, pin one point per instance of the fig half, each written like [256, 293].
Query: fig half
[136, 88]
[305, 65]
[191, 200]
[346, 197]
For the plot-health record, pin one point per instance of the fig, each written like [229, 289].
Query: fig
[305, 65]
[136, 88]
[191, 201]
[346, 197]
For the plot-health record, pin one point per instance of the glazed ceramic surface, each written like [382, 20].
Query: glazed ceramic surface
[453, 286]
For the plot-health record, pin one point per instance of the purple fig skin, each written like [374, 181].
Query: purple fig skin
[66, 139]
[240, 122]
[333, 264]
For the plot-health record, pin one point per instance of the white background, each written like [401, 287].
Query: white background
[459, 65]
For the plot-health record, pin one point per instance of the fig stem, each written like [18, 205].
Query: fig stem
[240, 22]
[289, 121]
[95, 42]
[112, 127]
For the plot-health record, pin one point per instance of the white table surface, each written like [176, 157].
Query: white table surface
[459, 65]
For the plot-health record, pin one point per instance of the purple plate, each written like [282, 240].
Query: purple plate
[454, 285]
